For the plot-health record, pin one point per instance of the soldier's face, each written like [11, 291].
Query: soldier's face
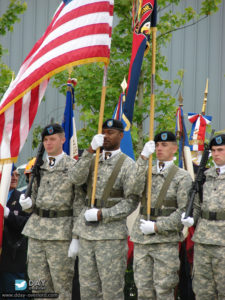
[14, 180]
[53, 144]
[218, 155]
[112, 139]
[165, 150]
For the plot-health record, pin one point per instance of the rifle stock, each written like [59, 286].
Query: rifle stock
[198, 182]
[36, 169]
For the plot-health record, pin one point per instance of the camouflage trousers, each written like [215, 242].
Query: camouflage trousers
[102, 266]
[156, 269]
[48, 261]
[209, 272]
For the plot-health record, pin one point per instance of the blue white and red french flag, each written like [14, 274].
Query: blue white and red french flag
[70, 146]
[79, 33]
[198, 130]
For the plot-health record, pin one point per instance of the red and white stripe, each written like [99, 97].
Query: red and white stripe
[80, 32]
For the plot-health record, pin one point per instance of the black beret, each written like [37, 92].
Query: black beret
[113, 124]
[52, 129]
[218, 140]
[165, 136]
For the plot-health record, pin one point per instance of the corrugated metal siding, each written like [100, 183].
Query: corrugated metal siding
[198, 49]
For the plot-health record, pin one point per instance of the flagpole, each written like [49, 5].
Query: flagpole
[205, 97]
[151, 123]
[100, 123]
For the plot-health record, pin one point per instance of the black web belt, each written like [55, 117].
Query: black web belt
[52, 213]
[157, 212]
[212, 215]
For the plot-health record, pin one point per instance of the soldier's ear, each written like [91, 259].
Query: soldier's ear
[63, 138]
[121, 134]
[175, 148]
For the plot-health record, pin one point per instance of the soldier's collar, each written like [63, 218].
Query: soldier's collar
[57, 158]
[166, 166]
[113, 153]
[222, 168]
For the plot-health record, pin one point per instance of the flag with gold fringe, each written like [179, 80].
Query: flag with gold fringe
[79, 33]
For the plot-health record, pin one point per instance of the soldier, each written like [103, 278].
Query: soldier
[49, 228]
[156, 258]
[103, 245]
[14, 247]
[209, 236]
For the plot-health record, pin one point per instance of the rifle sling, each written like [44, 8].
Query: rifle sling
[162, 194]
[109, 185]
[165, 187]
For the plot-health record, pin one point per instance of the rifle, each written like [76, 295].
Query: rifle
[36, 169]
[199, 178]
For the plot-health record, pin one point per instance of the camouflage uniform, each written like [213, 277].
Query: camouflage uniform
[156, 259]
[103, 247]
[49, 238]
[209, 238]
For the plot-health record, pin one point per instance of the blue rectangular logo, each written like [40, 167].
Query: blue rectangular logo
[20, 285]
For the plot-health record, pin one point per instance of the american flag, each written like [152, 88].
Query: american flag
[80, 33]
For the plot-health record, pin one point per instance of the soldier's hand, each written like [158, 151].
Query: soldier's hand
[148, 149]
[91, 214]
[188, 222]
[6, 212]
[97, 141]
[73, 248]
[147, 227]
[25, 202]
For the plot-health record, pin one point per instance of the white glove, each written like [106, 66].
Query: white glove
[147, 227]
[97, 141]
[188, 222]
[6, 212]
[91, 214]
[148, 149]
[25, 202]
[73, 248]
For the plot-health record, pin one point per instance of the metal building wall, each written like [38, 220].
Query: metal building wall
[198, 49]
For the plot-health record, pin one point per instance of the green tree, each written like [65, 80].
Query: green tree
[88, 90]
[7, 20]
